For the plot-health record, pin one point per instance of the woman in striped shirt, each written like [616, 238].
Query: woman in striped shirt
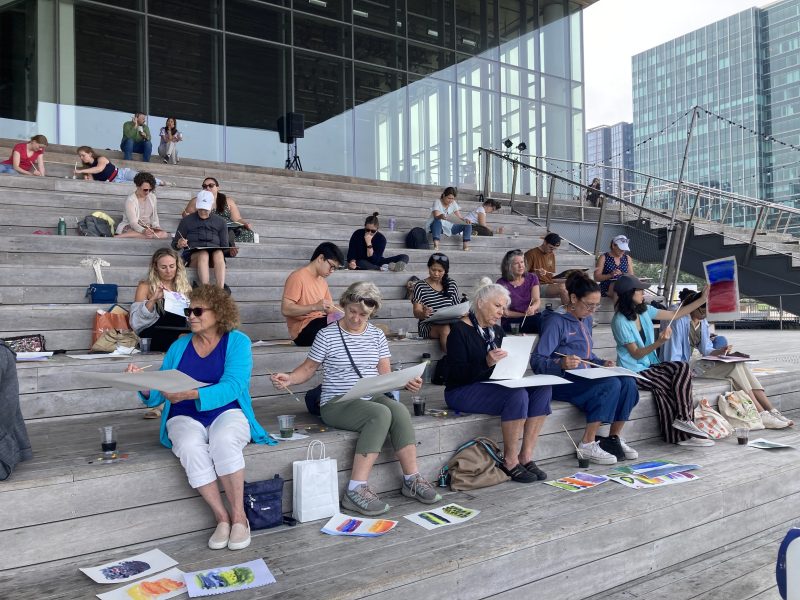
[433, 293]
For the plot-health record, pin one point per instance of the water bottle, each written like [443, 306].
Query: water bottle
[62, 226]
[428, 373]
[392, 223]
[396, 393]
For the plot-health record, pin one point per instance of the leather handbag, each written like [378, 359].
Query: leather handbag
[739, 410]
[263, 502]
[475, 464]
[710, 421]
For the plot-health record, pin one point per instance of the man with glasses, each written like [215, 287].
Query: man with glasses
[542, 261]
[306, 298]
[366, 247]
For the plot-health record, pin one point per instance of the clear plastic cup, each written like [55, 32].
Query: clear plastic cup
[286, 425]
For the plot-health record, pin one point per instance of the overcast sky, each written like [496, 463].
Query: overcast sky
[615, 30]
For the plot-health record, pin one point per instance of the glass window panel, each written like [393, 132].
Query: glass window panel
[555, 90]
[184, 72]
[199, 12]
[510, 19]
[321, 35]
[374, 82]
[18, 66]
[256, 97]
[379, 49]
[257, 20]
[333, 9]
[430, 21]
[425, 60]
[116, 33]
[132, 4]
[322, 87]
[384, 15]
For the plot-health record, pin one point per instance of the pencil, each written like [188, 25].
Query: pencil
[586, 362]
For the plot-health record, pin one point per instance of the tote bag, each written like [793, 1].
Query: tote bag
[315, 486]
[710, 421]
[739, 410]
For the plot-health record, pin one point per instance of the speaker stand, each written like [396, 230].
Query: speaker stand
[293, 158]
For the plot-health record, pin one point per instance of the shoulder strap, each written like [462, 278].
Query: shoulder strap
[346, 349]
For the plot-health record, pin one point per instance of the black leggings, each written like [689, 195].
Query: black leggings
[309, 332]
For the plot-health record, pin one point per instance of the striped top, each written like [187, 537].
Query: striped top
[425, 294]
[366, 348]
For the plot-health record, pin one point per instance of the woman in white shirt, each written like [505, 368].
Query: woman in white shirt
[440, 221]
[477, 218]
[140, 219]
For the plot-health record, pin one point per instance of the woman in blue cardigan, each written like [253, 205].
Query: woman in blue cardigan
[207, 428]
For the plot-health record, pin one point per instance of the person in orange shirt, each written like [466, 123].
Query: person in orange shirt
[306, 298]
[542, 261]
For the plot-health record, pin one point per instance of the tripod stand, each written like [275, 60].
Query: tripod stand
[293, 158]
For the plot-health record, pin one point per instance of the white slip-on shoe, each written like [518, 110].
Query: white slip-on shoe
[240, 536]
[219, 539]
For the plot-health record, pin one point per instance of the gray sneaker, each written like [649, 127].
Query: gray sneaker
[363, 500]
[400, 265]
[420, 489]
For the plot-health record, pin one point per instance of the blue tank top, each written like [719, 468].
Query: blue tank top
[105, 173]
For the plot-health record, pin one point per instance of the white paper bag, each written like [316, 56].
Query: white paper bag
[315, 488]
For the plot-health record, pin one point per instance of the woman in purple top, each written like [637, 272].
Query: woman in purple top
[523, 287]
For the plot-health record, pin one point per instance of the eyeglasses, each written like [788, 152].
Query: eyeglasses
[370, 230]
[197, 311]
[208, 186]
[368, 302]
[590, 307]
[332, 265]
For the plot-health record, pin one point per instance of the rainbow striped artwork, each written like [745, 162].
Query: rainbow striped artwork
[723, 289]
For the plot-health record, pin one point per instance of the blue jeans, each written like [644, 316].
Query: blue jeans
[605, 400]
[128, 147]
[491, 399]
[436, 230]
[8, 169]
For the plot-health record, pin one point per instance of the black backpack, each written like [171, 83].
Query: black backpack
[94, 227]
[417, 239]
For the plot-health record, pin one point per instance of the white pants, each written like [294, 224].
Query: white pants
[739, 373]
[206, 452]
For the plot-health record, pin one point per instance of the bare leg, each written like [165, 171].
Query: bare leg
[219, 267]
[760, 400]
[512, 431]
[200, 262]
[210, 493]
[563, 294]
[616, 428]
[131, 234]
[590, 432]
[362, 465]
[408, 459]
[234, 491]
[530, 435]
[441, 332]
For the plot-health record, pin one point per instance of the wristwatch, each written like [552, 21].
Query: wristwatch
[369, 247]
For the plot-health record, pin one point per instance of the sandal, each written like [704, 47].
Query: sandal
[153, 413]
[531, 467]
[520, 474]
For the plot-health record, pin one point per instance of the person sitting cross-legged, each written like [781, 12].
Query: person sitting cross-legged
[366, 248]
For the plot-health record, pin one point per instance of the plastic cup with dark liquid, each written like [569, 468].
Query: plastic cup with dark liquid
[418, 402]
[742, 435]
[286, 425]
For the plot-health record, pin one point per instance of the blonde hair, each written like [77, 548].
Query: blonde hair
[360, 291]
[181, 281]
[487, 289]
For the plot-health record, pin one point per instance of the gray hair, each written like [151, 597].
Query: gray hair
[505, 265]
[486, 290]
[360, 291]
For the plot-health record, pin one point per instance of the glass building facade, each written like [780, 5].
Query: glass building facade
[744, 69]
[609, 155]
[401, 90]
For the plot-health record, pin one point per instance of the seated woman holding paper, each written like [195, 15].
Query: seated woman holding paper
[691, 342]
[670, 382]
[348, 350]
[473, 350]
[140, 217]
[433, 293]
[203, 238]
[523, 289]
[208, 427]
[565, 345]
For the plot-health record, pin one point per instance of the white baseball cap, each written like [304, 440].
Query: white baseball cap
[622, 243]
[204, 201]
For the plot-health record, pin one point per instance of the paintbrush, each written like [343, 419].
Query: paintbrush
[570, 437]
[525, 316]
[586, 362]
[674, 314]
[286, 387]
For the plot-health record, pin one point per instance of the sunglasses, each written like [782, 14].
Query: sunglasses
[197, 311]
[368, 302]
[144, 189]
[370, 230]
[208, 186]
[440, 258]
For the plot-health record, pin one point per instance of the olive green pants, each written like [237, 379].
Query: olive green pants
[373, 419]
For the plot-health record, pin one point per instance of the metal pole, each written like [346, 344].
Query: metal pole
[515, 169]
[753, 235]
[675, 274]
[683, 165]
[600, 223]
[644, 196]
[550, 201]
[662, 275]
[486, 178]
[780, 317]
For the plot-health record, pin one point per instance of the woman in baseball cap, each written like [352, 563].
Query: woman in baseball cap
[612, 264]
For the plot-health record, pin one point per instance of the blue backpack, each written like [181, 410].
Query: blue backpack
[793, 552]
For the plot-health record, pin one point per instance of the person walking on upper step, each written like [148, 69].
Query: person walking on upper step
[307, 300]
[612, 264]
[226, 208]
[523, 290]
[474, 347]
[136, 138]
[670, 382]
[433, 293]
[565, 344]
[170, 136]
[366, 248]
[441, 219]
[203, 238]
[477, 217]
[542, 261]
[347, 350]
[690, 342]
[208, 428]
[593, 195]
[27, 158]
[98, 168]
[140, 217]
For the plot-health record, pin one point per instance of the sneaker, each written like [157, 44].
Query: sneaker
[400, 265]
[166, 160]
[531, 466]
[778, 414]
[363, 500]
[420, 489]
[698, 442]
[596, 454]
[611, 445]
[689, 427]
[770, 421]
[630, 453]
[219, 540]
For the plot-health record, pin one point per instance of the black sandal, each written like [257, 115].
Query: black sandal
[520, 474]
[532, 468]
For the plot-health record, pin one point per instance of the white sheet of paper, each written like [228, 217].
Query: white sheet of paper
[96, 356]
[448, 313]
[205, 582]
[295, 436]
[396, 380]
[171, 380]
[603, 372]
[133, 567]
[449, 514]
[529, 381]
[515, 364]
[767, 444]
[26, 356]
[175, 302]
[171, 580]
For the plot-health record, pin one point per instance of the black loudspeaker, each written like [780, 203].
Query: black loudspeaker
[290, 127]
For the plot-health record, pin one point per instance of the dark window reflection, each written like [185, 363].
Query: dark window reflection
[425, 60]
[184, 71]
[257, 20]
[132, 4]
[373, 82]
[18, 68]
[106, 42]
[321, 35]
[379, 49]
[385, 15]
[199, 12]
[322, 87]
[333, 9]
[431, 21]
[256, 97]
